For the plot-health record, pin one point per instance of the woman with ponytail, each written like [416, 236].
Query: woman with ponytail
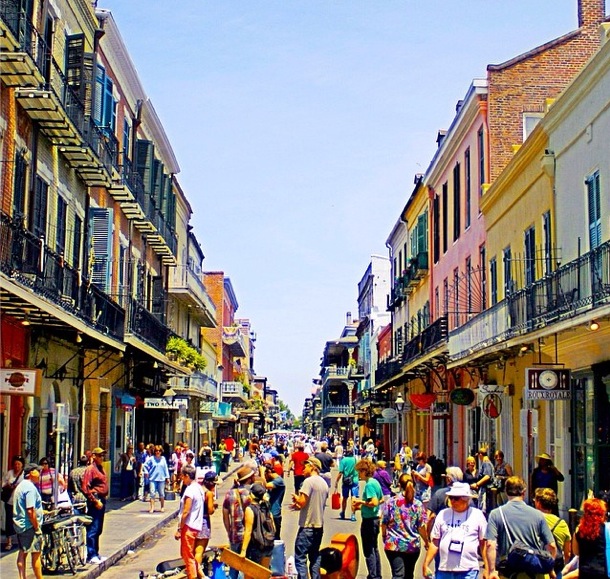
[403, 525]
[589, 541]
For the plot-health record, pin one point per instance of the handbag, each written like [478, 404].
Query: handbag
[523, 558]
[335, 500]
[7, 491]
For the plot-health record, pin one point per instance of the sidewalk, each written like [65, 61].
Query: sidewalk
[126, 527]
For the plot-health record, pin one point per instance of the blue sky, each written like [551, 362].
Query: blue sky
[299, 127]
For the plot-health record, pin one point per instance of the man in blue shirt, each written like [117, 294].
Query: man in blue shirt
[277, 488]
[27, 517]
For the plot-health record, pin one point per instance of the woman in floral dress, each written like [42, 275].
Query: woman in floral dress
[403, 526]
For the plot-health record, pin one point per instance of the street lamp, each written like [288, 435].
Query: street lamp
[169, 396]
[399, 404]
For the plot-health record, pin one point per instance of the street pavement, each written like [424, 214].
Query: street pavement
[134, 540]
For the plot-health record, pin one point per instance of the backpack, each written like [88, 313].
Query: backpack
[263, 528]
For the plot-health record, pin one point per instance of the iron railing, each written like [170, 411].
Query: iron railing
[146, 326]
[30, 262]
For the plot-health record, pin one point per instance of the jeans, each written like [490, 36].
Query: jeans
[472, 574]
[369, 533]
[234, 573]
[402, 564]
[308, 543]
[94, 530]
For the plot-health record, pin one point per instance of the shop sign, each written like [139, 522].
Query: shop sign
[20, 381]
[163, 404]
[389, 414]
[547, 384]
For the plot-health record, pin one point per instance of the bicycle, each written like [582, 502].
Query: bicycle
[64, 543]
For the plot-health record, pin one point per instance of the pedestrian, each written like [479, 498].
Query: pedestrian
[297, 465]
[526, 523]
[403, 527]
[157, 475]
[257, 509]
[189, 461]
[471, 475]
[49, 479]
[486, 474]
[439, 500]
[422, 475]
[327, 462]
[205, 455]
[382, 476]
[457, 535]
[276, 487]
[339, 452]
[142, 455]
[348, 479]
[545, 500]
[502, 470]
[233, 508]
[75, 485]
[406, 457]
[95, 488]
[368, 505]
[174, 466]
[210, 480]
[546, 474]
[589, 541]
[127, 466]
[27, 518]
[190, 520]
[310, 502]
[9, 483]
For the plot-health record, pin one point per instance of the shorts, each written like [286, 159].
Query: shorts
[255, 554]
[29, 541]
[156, 489]
[352, 488]
[206, 530]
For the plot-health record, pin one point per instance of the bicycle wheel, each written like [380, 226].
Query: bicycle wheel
[81, 543]
[50, 554]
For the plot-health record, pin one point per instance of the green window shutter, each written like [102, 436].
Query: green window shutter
[422, 232]
[158, 183]
[594, 207]
[145, 154]
[101, 247]
[75, 51]
[158, 298]
[39, 213]
[76, 242]
[60, 235]
[100, 83]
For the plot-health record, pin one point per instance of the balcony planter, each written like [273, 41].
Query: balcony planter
[423, 401]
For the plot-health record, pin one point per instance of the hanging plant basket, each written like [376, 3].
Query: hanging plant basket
[422, 401]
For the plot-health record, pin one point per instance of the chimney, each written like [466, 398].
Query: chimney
[591, 12]
[349, 318]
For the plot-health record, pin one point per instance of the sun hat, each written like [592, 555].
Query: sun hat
[98, 450]
[544, 456]
[460, 489]
[314, 462]
[244, 473]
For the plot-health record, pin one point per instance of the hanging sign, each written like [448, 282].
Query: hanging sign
[492, 405]
[462, 396]
[547, 384]
[20, 381]
[163, 404]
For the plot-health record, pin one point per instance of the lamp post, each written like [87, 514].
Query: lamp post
[169, 396]
[399, 404]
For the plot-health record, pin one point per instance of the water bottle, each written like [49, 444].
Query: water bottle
[291, 570]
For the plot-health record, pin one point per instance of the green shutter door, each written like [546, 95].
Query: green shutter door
[101, 246]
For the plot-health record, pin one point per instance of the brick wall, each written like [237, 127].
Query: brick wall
[525, 82]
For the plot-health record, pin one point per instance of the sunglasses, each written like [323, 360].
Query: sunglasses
[457, 498]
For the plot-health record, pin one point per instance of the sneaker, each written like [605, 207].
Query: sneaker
[102, 559]
[353, 517]
[95, 560]
[342, 515]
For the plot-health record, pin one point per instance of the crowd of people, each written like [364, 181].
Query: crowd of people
[464, 520]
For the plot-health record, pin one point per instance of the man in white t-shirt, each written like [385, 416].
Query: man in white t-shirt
[190, 521]
[310, 502]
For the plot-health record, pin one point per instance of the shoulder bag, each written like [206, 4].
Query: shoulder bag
[523, 558]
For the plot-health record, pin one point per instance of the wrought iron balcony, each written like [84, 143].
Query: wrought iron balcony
[234, 340]
[198, 385]
[430, 338]
[334, 372]
[146, 326]
[336, 410]
[387, 370]
[186, 284]
[163, 240]
[29, 262]
[233, 390]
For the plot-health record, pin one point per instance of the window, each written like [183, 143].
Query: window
[437, 301]
[126, 142]
[548, 249]
[445, 296]
[456, 296]
[38, 217]
[493, 281]
[457, 205]
[481, 151]
[62, 215]
[105, 105]
[594, 210]
[469, 284]
[483, 270]
[508, 278]
[19, 184]
[530, 256]
[78, 228]
[530, 120]
[400, 263]
[404, 250]
[399, 341]
[467, 187]
[445, 215]
[101, 247]
[436, 242]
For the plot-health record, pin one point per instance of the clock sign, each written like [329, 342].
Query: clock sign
[547, 384]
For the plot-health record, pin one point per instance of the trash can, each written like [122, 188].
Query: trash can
[217, 460]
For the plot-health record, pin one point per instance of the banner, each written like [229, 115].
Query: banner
[20, 381]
